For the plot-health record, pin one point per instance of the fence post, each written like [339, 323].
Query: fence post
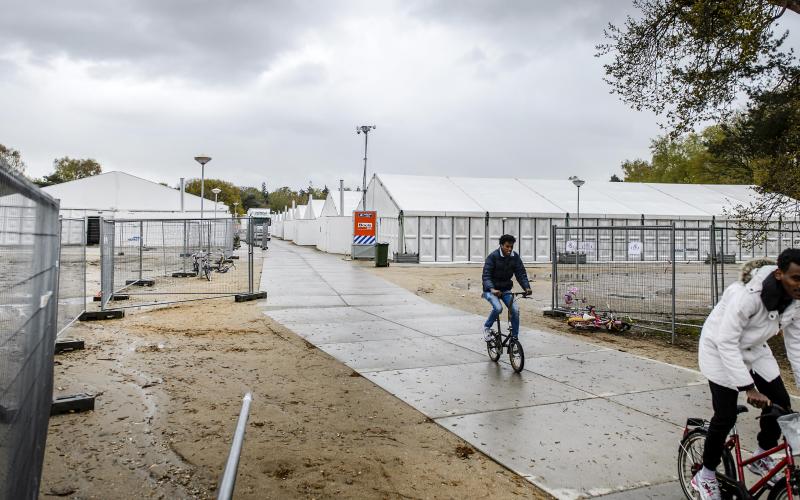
[250, 232]
[141, 248]
[712, 256]
[553, 260]
[674, 291]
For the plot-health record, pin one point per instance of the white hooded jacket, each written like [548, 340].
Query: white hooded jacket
[734, 337]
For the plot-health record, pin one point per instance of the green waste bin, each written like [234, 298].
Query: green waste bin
[381, 255]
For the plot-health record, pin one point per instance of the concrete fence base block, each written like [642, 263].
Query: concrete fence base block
[555, 314]
[72, 404]
[67, 345]
[184, 275]
[246, 297]
[101, 315]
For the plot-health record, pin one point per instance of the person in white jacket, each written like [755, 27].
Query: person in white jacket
[735, 357]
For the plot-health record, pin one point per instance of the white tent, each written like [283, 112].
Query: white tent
[460, 218]
[331, 207]
[308, 225]
[125, 196]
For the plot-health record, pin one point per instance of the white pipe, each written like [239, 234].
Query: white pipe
[183, 190]
[341, 197]
[229, 476]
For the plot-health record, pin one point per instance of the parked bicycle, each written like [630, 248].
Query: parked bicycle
[201, 265]
[509, 343]
[781, 482]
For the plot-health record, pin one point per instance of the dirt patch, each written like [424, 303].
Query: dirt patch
[460, 287]
[168, 400]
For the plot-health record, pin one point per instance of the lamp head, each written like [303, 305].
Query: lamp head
[202, 159]
[216, 190]
[578, 182]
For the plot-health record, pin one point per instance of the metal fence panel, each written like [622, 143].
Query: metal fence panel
[148, 262]
[71, 272]
[29, 243]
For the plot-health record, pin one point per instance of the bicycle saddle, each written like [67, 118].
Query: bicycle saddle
[741, 409]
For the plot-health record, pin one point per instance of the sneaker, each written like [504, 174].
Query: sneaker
[707, 488]
[488, 334]
[762, 466]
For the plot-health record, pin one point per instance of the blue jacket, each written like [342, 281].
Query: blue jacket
[498, 270]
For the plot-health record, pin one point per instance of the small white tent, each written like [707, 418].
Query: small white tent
[335, 225]
[308, 225]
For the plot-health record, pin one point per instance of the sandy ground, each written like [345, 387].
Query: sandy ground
[460, 287]
[169, 384]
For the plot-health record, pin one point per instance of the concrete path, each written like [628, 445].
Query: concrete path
[580, 420]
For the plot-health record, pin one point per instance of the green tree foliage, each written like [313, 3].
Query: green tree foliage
[68, 169]
[690, 59]
[251, 198]
[13, 158]
[229, 194]
[615, 178]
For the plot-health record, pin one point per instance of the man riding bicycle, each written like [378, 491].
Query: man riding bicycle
[498, 270]
[734, 356]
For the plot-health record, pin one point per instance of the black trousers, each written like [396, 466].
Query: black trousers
[724, 401]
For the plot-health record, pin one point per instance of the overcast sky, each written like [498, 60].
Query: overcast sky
[273, 90]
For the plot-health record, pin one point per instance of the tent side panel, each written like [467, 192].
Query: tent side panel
[427, 234]
[477, 239]
[460, 239]
[444, 239]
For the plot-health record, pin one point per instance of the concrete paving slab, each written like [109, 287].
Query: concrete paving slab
[355, 331]
[665, 491]
[606, 373]
[470, 388]
[399, 353]
[381, 299]
[445, 325]
[534, 344]
[575, 449]
[424, 309]
[291, 316]
[287, 301]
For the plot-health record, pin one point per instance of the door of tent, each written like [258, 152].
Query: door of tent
[477, 239]
[527, 240]
[495, 232]
[444, 239]
[411, 232]
[427, 235]
[543, 239]
[460, 239]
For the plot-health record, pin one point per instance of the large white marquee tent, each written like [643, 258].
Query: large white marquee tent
[459, 219]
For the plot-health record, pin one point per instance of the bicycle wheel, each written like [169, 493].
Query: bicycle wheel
[516, 354]
[495, 347]
[781, 492]
[690, 460]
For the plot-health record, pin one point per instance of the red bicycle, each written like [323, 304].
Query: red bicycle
[731, 481]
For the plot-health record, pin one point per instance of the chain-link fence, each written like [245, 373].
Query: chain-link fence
[147, 262]
[29, 241]
[661, 276]
[71, 273]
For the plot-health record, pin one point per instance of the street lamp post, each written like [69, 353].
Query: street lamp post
[235, 209]
[202, 160]
[578, 182]
[216, 192]
[364, 129]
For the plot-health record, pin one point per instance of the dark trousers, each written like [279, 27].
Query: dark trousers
[724, 401]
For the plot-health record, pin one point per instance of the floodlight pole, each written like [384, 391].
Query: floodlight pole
[578, 182]
[364, 129]
[202, 160]
[216, 192]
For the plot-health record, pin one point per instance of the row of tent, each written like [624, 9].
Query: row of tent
[459, 219]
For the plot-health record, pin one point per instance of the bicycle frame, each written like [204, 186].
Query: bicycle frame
[786, 464]
[506, 338]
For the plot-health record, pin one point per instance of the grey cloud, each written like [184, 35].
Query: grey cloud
[207, 40]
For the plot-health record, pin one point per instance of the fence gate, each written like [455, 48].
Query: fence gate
[29, 243]
[71, 272]
[149, 262]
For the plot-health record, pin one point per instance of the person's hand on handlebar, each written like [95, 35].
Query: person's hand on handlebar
[495, 292]
[755, 398]
[528, 291]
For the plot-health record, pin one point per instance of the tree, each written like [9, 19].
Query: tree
[251, 198]
[229, 194]
[13, 158]
[283, 197]
[615, 178]
[691, 59]
[68, 169]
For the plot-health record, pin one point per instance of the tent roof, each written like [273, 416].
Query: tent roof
[351, 202]
[512, 197]
[314, 209]
[125, 192]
